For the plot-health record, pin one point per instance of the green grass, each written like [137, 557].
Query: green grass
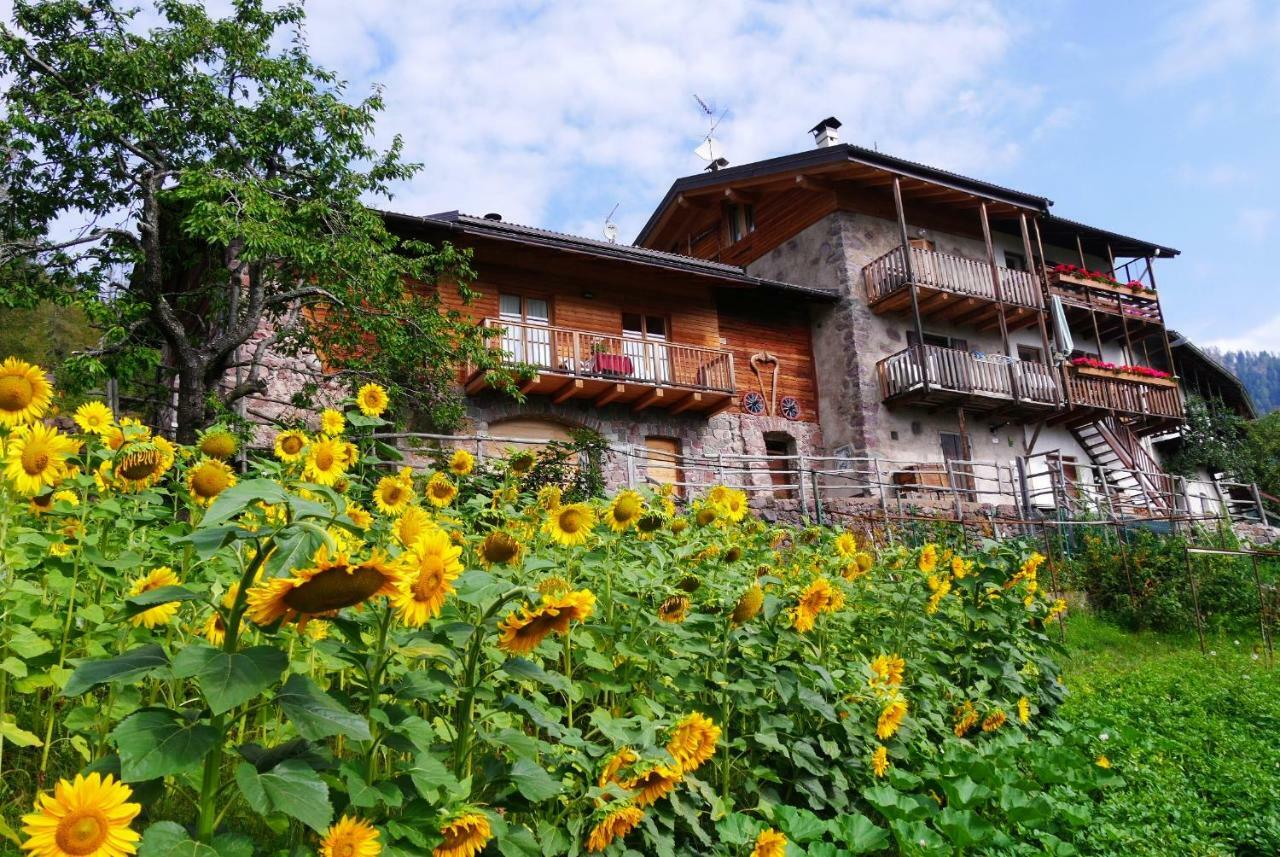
[1196, 738]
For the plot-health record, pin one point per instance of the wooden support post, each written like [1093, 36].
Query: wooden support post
[612, 392]
[568, 391]
[906, 258]
[1045, 301]
[995, 278]
[1080, 249]
[686, 403]
[652, 397]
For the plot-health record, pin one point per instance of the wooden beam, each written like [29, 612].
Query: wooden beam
[652, 397]
[528, 386]
[568, 391]
[476, 384]
[686, 403]
[612, 392]
[809, 183]
[735, 195]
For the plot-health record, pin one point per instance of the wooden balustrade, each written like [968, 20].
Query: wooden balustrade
[953, 274]
[1076, 292]
[931, 374]
[1122, 396]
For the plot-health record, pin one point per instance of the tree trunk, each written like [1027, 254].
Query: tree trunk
[192, 393]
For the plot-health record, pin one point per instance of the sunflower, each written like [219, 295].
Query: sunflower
[440, 490]
[770, 843]
[59, 549]
[41, 503]
[350, 837]
[674, 610]
[372, 400]
[332, 422]
[412, 523]
[209, 478]
[748, 606]
[846, 545]
[1103, 762]
[86, 817]
[733, 505]
[994, 720]
[215, 627]
[880, 761]
[393, 495]
[862, 563]
[705, 515]
[94, 418]
[24, 392]
[615, 825]
[37, 457]
[330, 584]
[139, 464]
[68, 497]
[524, 629]
[648, 524]
[429, 569]
[891, 718]
[818, 597]
[521, 462]
[461, 463]
[326, 461]
[693, 740]
[624, 511]
[1024, 709]
[570, 525]
[218, 443]
[359, 515]
[613, 766]
[966, 717]
[553, 585]
[464, 836]
[290, 445]
[679, 525]
[549, 497]
[499, 548]
[886, 672]
[928, 560]
[653, 784]
[154, 579]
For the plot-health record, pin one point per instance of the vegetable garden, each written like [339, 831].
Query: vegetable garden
[312, 651]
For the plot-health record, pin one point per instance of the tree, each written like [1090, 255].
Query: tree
[214, 181]
[1262, 447]
[1212, 440]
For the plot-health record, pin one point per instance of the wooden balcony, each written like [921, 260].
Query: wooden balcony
[1146, 405]
[952, 288]
[605, 369]
[1117, 306]
[929, 375]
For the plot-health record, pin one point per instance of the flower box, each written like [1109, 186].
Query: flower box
[1118, 375]
[1117, 288]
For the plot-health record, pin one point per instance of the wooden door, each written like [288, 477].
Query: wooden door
[662, 463]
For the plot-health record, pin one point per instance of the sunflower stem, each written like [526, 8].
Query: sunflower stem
[62, 647]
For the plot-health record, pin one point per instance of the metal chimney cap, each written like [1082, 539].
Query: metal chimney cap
[493, 215]
[830, 122]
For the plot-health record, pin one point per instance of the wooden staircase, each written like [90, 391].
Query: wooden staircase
[1133, 480]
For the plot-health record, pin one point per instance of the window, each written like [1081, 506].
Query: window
[525, 337]
[939, 340]
[740, 220]
[642, 338]
[663, 461]
[1015, 261]
[1030, 354]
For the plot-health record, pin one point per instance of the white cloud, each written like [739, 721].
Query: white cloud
[551, 113]
[1209, 35]
[1263, 337]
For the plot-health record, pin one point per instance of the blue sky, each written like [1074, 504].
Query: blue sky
[1157, 119]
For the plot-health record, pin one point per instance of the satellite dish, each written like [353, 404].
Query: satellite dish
[611, 228]
[709, 150]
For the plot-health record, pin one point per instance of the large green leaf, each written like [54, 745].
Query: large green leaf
[228, 679]
[170, 839]
[317, 715]
[291, 787]
[859, 834]
[131, 665]
[237, 498]
[155, 597]
[533, 781]
[964, 827]
[158, 743]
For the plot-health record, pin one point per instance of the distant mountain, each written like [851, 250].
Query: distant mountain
[1260, 372]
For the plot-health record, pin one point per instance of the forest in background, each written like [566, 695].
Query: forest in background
[1260, 372]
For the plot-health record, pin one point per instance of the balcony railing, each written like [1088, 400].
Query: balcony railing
[602, 356]
[952, 374]
[1121, 396]
[946, 272]
[1101, 297]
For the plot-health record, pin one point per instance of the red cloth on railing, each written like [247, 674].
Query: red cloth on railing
[612, 364]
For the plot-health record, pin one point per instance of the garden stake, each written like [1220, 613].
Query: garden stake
[1262, 614]
[1195, 601]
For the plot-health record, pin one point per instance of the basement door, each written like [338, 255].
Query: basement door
[955, 449]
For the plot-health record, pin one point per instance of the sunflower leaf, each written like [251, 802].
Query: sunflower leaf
[316, 715]
[291, 787]
[237, 498]
[131, 665]
[229, 678]
[144, 601]
[533, 781]
[170, 839]
[155, 742]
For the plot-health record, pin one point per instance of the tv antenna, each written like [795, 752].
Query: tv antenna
[611, 228]
[710, 149]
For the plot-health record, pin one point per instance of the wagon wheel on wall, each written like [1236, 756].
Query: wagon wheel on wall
[762, 359]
